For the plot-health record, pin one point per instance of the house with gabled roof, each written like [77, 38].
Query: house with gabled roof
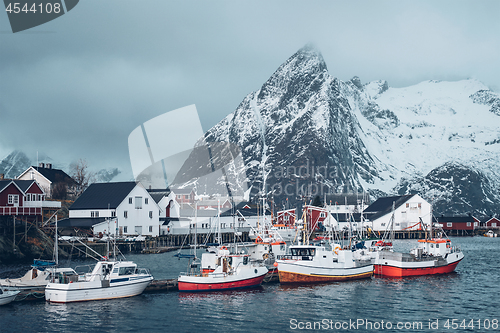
[409, 211]
[24, 198]
[458, 225]
[51, 180]
[128, 205]
[491, 222]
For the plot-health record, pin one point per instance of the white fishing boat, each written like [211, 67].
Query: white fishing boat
[7, 296]
[317, 264]
[222, 271]
[108, 280]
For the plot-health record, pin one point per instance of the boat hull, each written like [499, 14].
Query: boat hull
[94, 290]
[292, 277]
[8, 296]
[398, 269]
[299, 272]
[213, 282]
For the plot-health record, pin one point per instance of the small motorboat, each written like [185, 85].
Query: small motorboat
[7, 296]
[108, 280]
[36, 278]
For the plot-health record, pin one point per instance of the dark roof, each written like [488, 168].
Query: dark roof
[4, 184]
[157, 195]
[55, 175]
[23, 185]
[167, 220]
[103, 195]
[182, 190]
[83, 222]
[383, 206]
[455, 219]
[356, 217]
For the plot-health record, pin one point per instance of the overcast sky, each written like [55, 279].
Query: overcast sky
[77, 86]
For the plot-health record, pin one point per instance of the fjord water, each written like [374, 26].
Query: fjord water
[471, 293]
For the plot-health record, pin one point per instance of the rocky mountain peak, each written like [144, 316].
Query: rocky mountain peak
[297, 73]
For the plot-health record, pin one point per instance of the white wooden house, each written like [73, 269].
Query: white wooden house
[409, 210]
[128, 204]
[49, 178]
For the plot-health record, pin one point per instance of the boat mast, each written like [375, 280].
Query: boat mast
[392, 220]
[218, 223]
[56, 246]
[431, 224]
[195, 226]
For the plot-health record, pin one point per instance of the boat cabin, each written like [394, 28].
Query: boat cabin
[432, 247]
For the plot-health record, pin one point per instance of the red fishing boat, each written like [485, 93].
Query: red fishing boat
[432, 256]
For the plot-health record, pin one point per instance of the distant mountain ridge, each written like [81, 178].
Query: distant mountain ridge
[313, 133]
[17, 162]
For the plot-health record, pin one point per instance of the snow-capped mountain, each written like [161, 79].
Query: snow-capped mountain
[314, 134]
[14, 164]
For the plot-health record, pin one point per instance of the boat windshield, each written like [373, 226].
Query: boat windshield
[303, 252]
[127, 270]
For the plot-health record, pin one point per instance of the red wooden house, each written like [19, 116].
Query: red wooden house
[315, 217]
[286, 217]
[21, 198]
[184, 195]
[458, 225]
[492, 223]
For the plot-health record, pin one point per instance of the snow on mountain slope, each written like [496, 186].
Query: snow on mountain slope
[310, 130]
[438, 122]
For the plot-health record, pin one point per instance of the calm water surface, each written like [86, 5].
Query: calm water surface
[471, 293]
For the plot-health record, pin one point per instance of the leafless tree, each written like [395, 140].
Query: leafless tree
[82, 176]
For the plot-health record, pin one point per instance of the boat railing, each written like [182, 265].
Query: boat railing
[84, 269]
[218, 274]
[292, 257]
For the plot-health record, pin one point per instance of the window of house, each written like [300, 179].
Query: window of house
[28, 197]
[469, 224]
[39, 197]
[382, 224]
[13, 199]
[130, 200]
[92, 214]
[150, 228]
[125, 230]
[125, 214]
[138, 202]
[287, 217]
[146, 201]
[407, 205]
[449, 224]
[150, 214]
[322, 214]
[493, 224]
[113, 213]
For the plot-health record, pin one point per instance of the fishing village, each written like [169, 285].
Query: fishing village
[340, 238]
